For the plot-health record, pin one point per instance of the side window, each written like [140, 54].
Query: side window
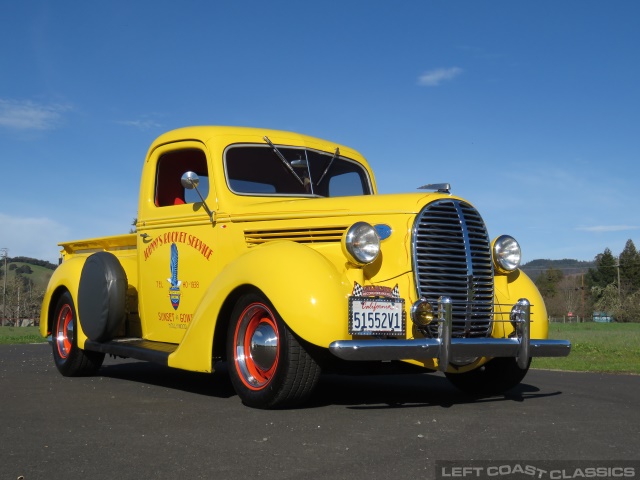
[171, 167]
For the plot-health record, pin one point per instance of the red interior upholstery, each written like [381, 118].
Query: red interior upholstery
[171, 167]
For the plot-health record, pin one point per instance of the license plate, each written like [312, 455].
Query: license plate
[376, 316]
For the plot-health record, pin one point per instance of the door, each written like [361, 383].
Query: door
[176, 241]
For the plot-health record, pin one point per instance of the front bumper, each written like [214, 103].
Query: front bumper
[445, 348]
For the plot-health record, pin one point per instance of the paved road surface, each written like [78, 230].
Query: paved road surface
[137, 420]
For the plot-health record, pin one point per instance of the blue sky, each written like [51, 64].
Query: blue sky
[531, 110]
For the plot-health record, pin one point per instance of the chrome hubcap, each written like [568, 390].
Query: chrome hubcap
[264, 346]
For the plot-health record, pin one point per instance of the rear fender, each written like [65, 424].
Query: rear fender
[65, 278]
[307, 290]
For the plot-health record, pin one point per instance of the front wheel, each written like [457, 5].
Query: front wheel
[70, 360]
[268, 367]
[493, 378]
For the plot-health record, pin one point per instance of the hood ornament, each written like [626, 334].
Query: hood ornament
[438, 187]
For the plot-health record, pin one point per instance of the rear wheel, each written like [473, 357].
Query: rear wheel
[493, 378]
[70, 360]
[267, 365]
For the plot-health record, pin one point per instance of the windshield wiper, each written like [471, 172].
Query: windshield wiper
[335, 155]
[284, 160]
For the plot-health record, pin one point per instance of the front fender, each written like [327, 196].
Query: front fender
[511, 288]
[306, 289]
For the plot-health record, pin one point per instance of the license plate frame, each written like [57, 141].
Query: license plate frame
[377, 316]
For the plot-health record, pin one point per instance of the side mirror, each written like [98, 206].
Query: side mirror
[190, 181]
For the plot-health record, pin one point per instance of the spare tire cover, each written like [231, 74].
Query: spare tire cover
[102, 296]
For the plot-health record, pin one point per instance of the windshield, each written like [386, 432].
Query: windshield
[267, 170]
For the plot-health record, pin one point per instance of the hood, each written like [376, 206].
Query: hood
[263, 208]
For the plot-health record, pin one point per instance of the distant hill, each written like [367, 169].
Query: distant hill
[32, 261]
[38, 271]
[567, 266]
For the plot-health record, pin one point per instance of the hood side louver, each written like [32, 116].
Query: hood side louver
[299, 235]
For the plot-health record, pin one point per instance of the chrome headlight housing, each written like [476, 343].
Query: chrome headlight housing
[506, 254]
[361, 244]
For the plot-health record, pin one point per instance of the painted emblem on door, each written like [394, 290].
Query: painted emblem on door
[174, 289]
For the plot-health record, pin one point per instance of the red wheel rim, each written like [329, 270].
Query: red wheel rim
[64, 331]
[257, 346]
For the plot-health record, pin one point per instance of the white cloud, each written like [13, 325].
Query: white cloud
[143, 124]
[31, 237]
[608, 228]
[29, 115]
[434, 78]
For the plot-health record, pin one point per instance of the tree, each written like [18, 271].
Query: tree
[547, 282]
[629, 309]
[629, 262]
[22, 300]
[570, 293]
[26, 269]
[34, 261]
[606, 271]
[607, 299]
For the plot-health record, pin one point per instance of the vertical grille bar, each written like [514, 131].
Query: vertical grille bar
[452, 258]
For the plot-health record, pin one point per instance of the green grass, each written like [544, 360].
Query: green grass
[16, 335]
[596, 347]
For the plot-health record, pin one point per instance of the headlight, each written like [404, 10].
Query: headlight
[361, 244]
[506, 254]
[422, 313]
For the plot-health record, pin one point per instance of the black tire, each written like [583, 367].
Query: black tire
[268, 367]
[70, 360]
[102, 296]
[493, 378]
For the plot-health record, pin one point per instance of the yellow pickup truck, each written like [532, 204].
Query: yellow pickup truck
[273, 252]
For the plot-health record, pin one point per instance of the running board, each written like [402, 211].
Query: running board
[138, 348]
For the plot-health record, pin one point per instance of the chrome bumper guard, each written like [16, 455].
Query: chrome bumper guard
[444, 348]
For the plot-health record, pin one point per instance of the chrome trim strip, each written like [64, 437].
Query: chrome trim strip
[389, 349]
[523, 330]
[444, 332]
[465, 237]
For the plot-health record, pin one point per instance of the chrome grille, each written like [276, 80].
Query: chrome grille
[452, 257]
